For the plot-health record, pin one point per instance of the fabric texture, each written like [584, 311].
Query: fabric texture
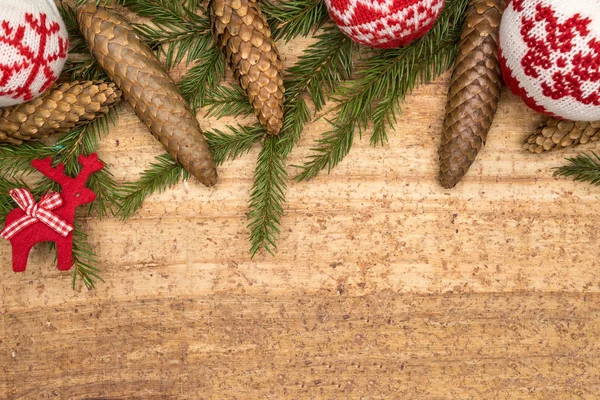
[52, 219]
[33, 49]
[385, 23]
[550, 56]
[40, 212]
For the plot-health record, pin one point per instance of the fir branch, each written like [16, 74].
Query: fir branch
[223, 101]
[583, 168]
[319, 70]
[84, 260]
[289, 19]
[163, 174]
[267, 197]
[205, 76]
[385, 79]
[16, 159]
[177, 32]
[229, 146]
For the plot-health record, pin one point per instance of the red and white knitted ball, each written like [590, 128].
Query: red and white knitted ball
[384, 23]
[550, 56]
[33, 49]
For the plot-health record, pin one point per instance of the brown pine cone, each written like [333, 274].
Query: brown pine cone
[556, 134]
[474, 93]
[147, 87]
[241, 30]
[58, 110]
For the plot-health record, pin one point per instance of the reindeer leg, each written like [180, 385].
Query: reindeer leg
[20, 255]
[64, 249]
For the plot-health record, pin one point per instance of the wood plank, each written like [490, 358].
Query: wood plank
[299, 345]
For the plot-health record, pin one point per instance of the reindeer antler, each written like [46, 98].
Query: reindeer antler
[45, 167]
[90, 165]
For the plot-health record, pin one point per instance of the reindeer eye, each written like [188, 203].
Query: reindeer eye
[77, 195]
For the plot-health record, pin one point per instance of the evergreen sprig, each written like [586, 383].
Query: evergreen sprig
[267, 197]
[84, 260]
[229, 146]
[583, 168]
[292, 18]
[163, 174]
[319, 70]
[384, 79]
[177, 31]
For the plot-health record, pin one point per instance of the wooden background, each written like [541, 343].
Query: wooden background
[384, 284]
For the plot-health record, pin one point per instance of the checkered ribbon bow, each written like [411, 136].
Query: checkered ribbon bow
[39, 212]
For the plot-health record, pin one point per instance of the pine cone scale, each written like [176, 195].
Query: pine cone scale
[241, 30]
[59, 110]
[148, 88]
[474, 93]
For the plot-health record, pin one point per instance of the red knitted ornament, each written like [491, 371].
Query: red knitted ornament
[33, 49]
[550, 56]
[384, 23]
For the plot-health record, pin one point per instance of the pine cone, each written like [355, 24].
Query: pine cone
[557, 134]
[58, 110]
[474, 93]
[147, 87]
[242, 31]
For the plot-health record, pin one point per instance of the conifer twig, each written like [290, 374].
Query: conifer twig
[583, 168]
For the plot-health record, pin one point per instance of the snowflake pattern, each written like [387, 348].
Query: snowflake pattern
[29, 52]
[385, 23]
[574, 73]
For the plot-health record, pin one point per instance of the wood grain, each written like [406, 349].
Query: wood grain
[384, 285]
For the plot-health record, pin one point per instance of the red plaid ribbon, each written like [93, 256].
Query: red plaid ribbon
[39, 212]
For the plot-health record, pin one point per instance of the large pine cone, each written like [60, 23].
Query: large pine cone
[58, 110]
[474, 93]
[242, 31]
[556, 134]
[147, 87]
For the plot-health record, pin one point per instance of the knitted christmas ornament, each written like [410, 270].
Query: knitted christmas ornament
[550, 56]
[52, 218]
[384, 23]
[33, 49]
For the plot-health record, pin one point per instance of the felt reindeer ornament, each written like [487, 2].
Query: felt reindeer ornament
[50, 220]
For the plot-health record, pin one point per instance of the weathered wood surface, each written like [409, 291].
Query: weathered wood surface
[384, 284]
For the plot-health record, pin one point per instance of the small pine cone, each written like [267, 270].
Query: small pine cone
[58, 110]
[474, 92]
[242, 31]
[147, 87]
[556, 134]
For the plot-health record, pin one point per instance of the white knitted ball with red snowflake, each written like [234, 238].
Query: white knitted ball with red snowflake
[550, 55]
[384, 23]
[33, 49]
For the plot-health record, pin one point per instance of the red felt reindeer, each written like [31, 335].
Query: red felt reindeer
[50, 220]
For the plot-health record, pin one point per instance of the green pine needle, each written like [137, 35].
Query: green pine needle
[163, 174]
[385, 79]
[176, 31]
[203, 77]
[268, 197]
[583, 168]
[229, 146]
[292, 18]
[84, 260]
[222, 101]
